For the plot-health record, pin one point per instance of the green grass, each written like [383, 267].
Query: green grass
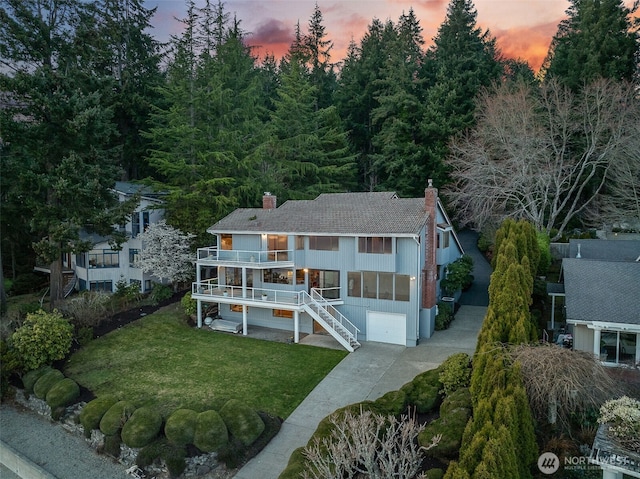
[161, 362]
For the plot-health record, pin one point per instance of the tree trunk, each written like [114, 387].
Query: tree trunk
[3, 294]
[56, 282]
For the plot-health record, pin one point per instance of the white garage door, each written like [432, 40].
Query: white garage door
[387, 327]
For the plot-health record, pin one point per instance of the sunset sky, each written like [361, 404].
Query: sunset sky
[523, 28]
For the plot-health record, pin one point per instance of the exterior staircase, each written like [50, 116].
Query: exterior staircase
[332, 320]
[70, 286]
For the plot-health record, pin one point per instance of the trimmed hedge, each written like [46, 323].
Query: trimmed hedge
[93, 412]
[211, 433]
[142, 427]
[29, 379]
[424, 391]
[63, 393]
[46, 382]
[181, 426]
[243, 422]
[116, 416]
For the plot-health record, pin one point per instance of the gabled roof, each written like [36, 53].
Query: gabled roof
[607, 291]
[608, 250]
[129, 189]
[373, 213]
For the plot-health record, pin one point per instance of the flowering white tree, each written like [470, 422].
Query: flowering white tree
[166, 253]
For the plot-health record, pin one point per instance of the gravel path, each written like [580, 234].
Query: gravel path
[51, 446]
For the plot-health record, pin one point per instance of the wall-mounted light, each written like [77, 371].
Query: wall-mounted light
[413, 278]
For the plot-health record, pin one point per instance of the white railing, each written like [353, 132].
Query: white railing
[316, 300]
[242, 256]
[213, 289]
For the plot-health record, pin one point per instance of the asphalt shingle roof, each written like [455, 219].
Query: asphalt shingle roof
[609, 250]
[377, 213]
[602, 290]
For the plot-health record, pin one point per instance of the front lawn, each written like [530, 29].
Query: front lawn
[162, 362]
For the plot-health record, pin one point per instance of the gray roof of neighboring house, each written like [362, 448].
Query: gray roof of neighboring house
[609, 250]
[606, 291]
[377, 213]
[132, 188]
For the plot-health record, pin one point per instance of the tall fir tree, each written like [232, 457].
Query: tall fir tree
[599, 38]
[57, 129]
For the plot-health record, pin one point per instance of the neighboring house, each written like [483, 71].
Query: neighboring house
[359, 266]
[102, 267]
[602, 298]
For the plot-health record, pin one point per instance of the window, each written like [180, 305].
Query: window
[278, 276]
[323, 243]
[135, 224]
[145, 220]
[355, 284]
[134, 254]
[277, 245]
[299, 242]
[226, 242]
[106, 286]
[147, 285]
[300, 276]
[81, 260]
[282, 313]
[233, 277]
[369, 284]
[327, 281]
[375, 244]
[444, 242]
[105, 258]
[237, 308]
[618, 347]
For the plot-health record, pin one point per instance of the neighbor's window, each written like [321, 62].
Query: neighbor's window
[81, 260]
[444, 242]
[106, 286]
[105, 258]
[135, 224]
[375, 244]
[323, 243]
[134, 254]
[226, 242]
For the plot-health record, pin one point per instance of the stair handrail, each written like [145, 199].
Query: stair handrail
[337, 316]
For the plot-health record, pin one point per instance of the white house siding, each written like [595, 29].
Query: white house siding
[582, 338]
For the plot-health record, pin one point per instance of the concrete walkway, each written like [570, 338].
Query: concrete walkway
[371, 371]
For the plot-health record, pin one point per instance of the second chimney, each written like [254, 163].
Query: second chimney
[268, 201]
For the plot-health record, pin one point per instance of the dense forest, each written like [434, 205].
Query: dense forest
[90, 97]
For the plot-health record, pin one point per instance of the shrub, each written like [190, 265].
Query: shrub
[142, 427]
[393, 402]
[458, 275]
[27, 283]
[460, 398]
[181, 426]
[211, 432]
[46, 382]
[160, 293]
[112, 445]
[127, 293]
[93, 412]
[63, 393]
[115, 417]
[450, 427]
[544, 245]
[88, 309]
[190, 306]
[444, 316]
[30, 378]
[423, 391]
[456, 373]
[623, 418]
[9, 364]
[242, 421]
[434, 474]
[43, 338]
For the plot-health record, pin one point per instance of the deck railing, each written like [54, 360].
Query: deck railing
[244, 256]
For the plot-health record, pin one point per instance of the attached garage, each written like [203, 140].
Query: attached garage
[387, 327]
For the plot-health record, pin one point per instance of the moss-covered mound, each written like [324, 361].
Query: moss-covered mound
[30, 378]
[211, 432]
[142, 427]
[93, 412]
[63, 393]
[392, 403]
[242, 421]
[455, 412]
[181, 426]
[46, 382]
[116, 416]
[424, 391]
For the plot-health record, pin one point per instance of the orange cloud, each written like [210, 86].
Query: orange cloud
[526, 43]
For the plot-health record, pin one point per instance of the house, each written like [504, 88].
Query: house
[101, 268]
[358, 266]
[602, 298]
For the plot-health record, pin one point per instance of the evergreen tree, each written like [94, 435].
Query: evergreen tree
[57, 129]
[462, 61]
[599, 38]
[321, 70]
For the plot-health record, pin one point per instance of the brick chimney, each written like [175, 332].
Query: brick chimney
[268, 201]
[429, 271]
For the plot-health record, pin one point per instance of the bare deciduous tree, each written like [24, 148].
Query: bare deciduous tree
[561, 382]
[541, 154]
[368, 445]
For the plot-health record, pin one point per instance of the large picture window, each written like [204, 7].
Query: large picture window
[277, 276]
[375, 244]
[105, 258]
[323, 243]
[370, 284]
[226, 242]
[277, 247]
[105, 286]
[618, 347]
